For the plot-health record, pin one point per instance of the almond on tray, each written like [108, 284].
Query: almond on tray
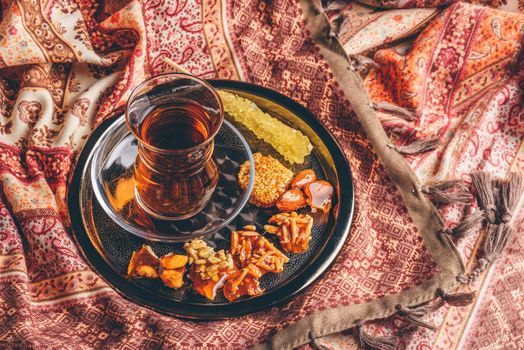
[293, 230]
[292, 200]
[303, 178]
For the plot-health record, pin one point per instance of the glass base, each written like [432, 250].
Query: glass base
[158, 216]
[112, 169]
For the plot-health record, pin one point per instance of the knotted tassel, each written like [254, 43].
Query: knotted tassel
[414, 316]
[447, 191]
[494, 243]
[313, 342]
[486, 196]
[405, 113]
[468, 226]
[368, 341]
[457, 299]
[416, 147]
[509, 193]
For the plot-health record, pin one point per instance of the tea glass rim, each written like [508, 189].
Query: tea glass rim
[181, 150]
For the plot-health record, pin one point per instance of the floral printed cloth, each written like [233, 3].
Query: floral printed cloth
[67, 65]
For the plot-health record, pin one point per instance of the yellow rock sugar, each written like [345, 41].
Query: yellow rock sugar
[292, 144]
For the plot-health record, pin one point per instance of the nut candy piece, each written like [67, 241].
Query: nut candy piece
[208, 287]
[303, 178]
[209, 269]
[249, 247]
[173, 261]
[145, 271]
[291, 200]
[172, 269]
[243, 282]
[173, 278]
[319, 195]
[294, 231]
[143, 263]
[271, 180]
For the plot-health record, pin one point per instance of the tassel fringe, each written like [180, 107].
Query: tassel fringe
[468, 226]
[486, 196]
[368, 341]
[447, 191]
[471, 277]
[407, 114]
[495, 241]
[414, 316]
[416, 147]
[498, 198]
[457, 299]
[510, 192]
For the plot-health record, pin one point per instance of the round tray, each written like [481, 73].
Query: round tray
[107, 247]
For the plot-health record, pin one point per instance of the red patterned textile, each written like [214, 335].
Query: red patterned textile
[463, 75]
[67, 65]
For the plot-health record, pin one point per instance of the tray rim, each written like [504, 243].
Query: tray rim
[278, 296]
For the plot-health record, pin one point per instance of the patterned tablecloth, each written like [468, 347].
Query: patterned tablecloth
[67, 65]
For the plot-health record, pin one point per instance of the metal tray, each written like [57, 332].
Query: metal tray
[107, 247]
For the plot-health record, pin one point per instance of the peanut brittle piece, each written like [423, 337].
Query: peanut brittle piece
[209, 268]
[172, 269]
[143, 263]
[173, 278]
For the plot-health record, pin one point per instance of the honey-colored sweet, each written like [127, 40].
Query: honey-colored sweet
[319, 195]
[250, 248]
[293, 230]
[292, 144]
[143, 263]
[209, 268]
[291, 200]
[271, 180]
[208, 287]
[173, 261]
[173, 278]
[240, 283]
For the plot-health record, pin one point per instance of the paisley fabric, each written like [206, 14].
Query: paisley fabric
[463, 76]
[68, 65]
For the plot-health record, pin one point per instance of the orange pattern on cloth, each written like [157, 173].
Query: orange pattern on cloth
[71, 65]
[463, 75]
